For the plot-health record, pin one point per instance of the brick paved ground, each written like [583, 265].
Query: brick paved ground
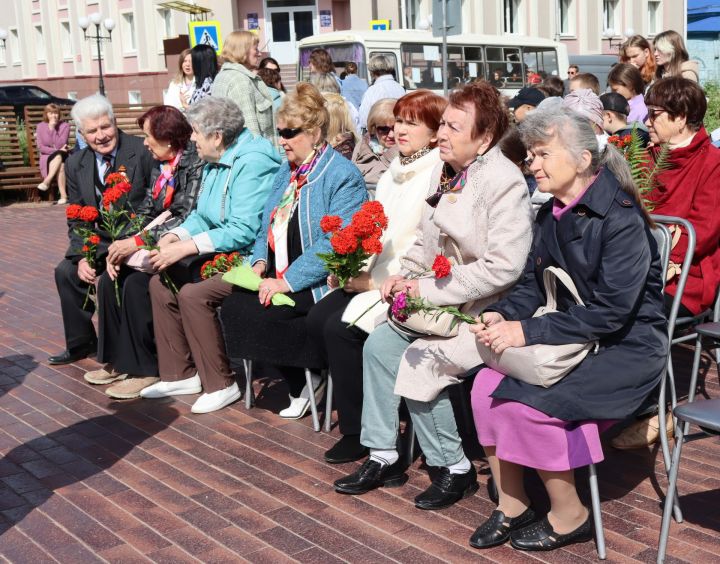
[84, 478]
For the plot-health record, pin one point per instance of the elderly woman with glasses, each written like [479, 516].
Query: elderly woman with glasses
[402, 191]
[235, 184]
[478, 214]
[316, 181]
[688, 188]
[377, 148]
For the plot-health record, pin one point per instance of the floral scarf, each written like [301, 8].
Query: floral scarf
[167, 179]
[282, 214]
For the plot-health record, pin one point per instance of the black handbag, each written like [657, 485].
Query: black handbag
[187, 270]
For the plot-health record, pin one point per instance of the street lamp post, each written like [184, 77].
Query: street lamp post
[109, 25]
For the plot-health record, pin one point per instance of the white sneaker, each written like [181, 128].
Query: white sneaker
[216, 400]
[179, 388]
[298, 408]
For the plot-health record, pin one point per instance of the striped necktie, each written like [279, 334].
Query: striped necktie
[107, 161]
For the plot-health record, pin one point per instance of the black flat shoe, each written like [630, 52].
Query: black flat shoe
[372, 475]
[347, 449]
[72, 355]
[540, 536]
[447, 489]
[496, 530]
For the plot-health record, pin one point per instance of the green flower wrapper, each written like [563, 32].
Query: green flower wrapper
[245, 277]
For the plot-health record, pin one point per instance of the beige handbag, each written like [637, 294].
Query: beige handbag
[426, 324]
[542, 365]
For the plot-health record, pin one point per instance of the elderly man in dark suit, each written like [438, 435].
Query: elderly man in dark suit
[107, 149]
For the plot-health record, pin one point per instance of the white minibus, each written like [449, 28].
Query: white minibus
[507, 61]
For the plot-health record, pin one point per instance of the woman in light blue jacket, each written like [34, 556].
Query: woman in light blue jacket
[236, 183]
[316, 181]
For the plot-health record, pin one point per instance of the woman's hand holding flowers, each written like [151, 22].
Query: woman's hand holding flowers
[168, 239]
[269, 287]
[494, 332]
[169, 254]
[259, 268]
[396, 284]
[86, 273]
[354, 285]
[120, 249]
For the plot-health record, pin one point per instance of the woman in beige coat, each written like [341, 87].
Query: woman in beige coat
[478, 212]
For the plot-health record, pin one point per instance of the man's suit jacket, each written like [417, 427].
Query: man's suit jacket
[82, 180]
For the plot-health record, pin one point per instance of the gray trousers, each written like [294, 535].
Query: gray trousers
[434, 421]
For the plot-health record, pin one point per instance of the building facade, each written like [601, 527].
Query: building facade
[46, 46]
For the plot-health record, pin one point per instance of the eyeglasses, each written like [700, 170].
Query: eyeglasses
[653, 113]
[383, 129]
[289, 132]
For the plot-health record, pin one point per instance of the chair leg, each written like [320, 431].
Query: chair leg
[328, 403]
[249, 394]
[597, 515]
[313, 404]
[672, 491]
[664, 444]
[410, 438]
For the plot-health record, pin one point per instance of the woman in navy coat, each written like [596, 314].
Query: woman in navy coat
[596, 230]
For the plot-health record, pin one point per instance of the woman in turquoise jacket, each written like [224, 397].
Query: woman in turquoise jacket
[316, 181]
[235, 185]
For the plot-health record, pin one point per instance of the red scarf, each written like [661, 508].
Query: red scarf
[167, 178]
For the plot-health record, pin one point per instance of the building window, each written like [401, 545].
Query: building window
[654, 17]
[164, 26]
[567, 17]
[511, 16]
[40, 44]
[66, 40]
[610, 12]
[15, 47]
[134, 97]
[128, 33]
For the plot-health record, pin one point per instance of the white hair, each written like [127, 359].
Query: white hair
[215, 113]
[92, 107]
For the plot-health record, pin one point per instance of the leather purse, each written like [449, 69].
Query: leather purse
[427, 324]
[542, 365]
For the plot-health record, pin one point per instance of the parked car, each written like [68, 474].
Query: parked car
[20, 95]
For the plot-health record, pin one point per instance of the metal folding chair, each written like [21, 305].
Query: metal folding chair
[705, 414]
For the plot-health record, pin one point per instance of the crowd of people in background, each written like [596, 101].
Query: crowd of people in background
[505, 188]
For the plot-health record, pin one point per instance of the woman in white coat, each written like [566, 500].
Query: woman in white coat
[402, 190]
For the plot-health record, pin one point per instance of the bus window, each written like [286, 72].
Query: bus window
[504, 67]
[340, 54]
[392, 57]
[421, 66]
[540, 60]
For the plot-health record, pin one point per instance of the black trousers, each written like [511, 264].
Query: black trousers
[77, 321]
[126, 333]
[343, 348]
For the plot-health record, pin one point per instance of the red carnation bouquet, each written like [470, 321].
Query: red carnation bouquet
[355, 244]
[150, 244]
[221, 264]
[85, 218]
[116, 212]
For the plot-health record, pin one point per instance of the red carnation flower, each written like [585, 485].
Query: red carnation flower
[441, 266]
[94, 239]
[111, 196]
[88, 214]
[344, 241]
[73, 211]
[85, 249]
[330, 223]
[363, 224]
[372, 246]
[123, 186]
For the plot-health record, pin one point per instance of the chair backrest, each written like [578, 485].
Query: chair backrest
[666, 220]
[662, 236]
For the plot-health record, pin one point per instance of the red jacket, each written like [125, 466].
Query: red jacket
[691, 189]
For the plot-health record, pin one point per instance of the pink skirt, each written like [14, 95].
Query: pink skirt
[528, 437]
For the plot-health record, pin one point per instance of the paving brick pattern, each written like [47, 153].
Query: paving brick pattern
[87, 479]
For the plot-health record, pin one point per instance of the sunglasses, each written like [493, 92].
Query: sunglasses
[289, 132]
[653, 113]
[383, 129]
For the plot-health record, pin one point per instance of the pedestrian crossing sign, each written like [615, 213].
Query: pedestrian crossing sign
[380, 25]
[206, 33]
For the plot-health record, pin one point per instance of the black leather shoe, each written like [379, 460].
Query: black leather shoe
[372, 475]
[496, 530]
[540, 536]
[347, 449]
[447, 489]
[74, 354]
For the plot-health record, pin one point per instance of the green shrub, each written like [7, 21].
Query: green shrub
[23, 142]
[712, 116]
